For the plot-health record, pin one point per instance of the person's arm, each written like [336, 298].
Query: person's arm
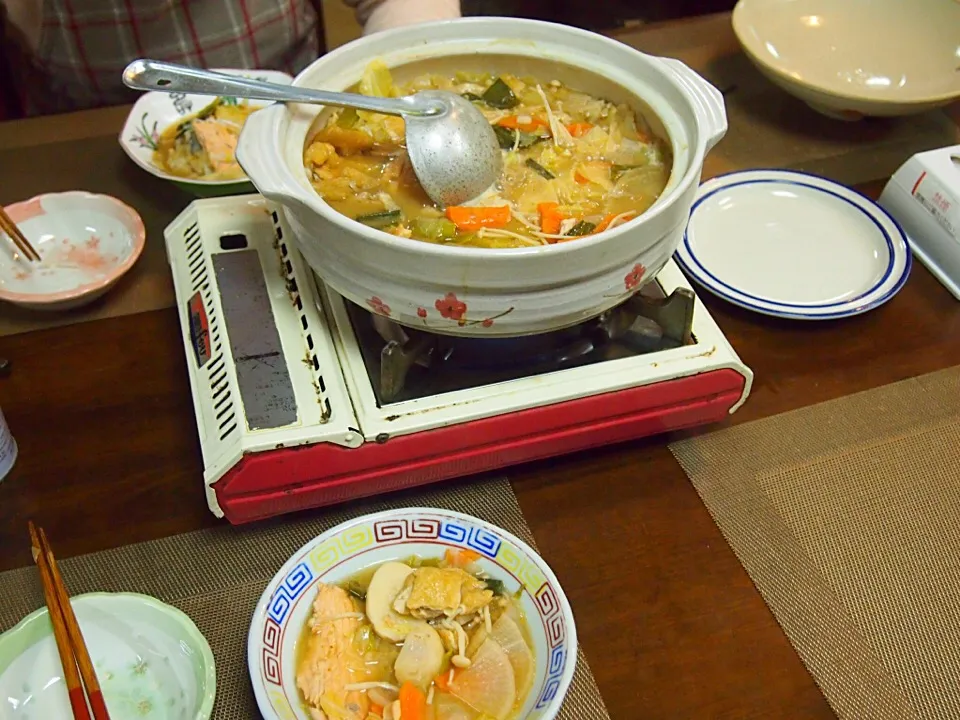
[377, 15]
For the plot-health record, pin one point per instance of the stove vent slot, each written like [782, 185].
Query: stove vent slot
[289, 274]
[216, 371]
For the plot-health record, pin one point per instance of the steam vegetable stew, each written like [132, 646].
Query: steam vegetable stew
[574, 165]
[416, 640]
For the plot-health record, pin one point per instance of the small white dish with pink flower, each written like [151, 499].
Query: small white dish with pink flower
[86, 242]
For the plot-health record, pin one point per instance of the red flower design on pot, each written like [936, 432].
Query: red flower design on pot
[421, 312]
[487, 323]
[634, 277]
[450, 307]
[379, 306]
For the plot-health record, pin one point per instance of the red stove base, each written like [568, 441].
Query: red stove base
[277, 482]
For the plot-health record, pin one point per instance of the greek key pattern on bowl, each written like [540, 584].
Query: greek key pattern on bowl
[342, 546]
[474, 538]
[549, 607]
[272, 635]
[522, 568]
[478, 539]
[387, 531]
[293, 585]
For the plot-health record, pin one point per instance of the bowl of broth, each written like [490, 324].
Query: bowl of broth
[191, 140]
[603, 149]
[413, 613]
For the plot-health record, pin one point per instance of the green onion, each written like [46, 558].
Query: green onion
[581, 228]
[496, 586]
[434, 228]
[500, 96]
[209, 110]
[507, 138]
[539, 169]
[357, 590]
[380, 219]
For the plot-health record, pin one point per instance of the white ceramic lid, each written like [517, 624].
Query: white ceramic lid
[790, 244]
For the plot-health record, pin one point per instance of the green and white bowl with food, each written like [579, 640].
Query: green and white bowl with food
[151, 661]
[190, 139]
[413, 614]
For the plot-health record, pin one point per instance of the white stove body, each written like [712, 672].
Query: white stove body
[319, 387]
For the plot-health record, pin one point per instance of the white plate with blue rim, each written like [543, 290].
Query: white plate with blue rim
[155, 112]
[793, 245]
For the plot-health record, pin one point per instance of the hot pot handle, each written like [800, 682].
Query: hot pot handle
[708, 101]
[259, 164]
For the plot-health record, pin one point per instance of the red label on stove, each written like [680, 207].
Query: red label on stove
[199, 329]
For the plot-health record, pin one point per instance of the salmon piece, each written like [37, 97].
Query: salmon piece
[219, 143]
[323, 673]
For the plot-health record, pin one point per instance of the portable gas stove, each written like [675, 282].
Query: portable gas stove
[304, 399]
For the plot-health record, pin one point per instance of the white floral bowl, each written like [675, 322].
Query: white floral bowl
[156, 111]
[483, 292]
[87, 242]
[370, 540]
[151, 661]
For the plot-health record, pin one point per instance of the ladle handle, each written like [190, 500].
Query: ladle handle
[157, 76]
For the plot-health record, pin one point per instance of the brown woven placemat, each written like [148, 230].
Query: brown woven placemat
[216, 577]
[846, 515]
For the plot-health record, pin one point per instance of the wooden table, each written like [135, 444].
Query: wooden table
[670, 621]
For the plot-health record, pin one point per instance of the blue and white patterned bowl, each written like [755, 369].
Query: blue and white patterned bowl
[396, 534]
[154, 112]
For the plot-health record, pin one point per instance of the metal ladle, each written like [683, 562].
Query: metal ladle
[452, 147]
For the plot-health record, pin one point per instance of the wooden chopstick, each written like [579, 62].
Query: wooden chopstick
[19, 239]
[49, 571]
[71, 676]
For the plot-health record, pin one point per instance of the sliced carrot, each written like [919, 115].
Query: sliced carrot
[472, 219]
[580, 177]
[413, 703]
[550, 218]
[442, 681]
[512, 122]
[605, 223]
[460, 558]
[376, 710]
[579, 129]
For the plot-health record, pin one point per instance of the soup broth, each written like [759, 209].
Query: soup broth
[416, 640]
[574, 164]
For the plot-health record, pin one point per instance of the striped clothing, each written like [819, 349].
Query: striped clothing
[70, 53]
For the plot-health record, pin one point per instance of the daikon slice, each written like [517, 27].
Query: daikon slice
[507, 634]
[488, 685]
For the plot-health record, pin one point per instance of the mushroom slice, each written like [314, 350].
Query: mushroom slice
[386, 584]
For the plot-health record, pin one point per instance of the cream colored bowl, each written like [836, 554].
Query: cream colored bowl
[853, 58]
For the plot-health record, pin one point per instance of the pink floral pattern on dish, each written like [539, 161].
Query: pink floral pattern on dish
[450, 307]
[379, 306]
[633, 278]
